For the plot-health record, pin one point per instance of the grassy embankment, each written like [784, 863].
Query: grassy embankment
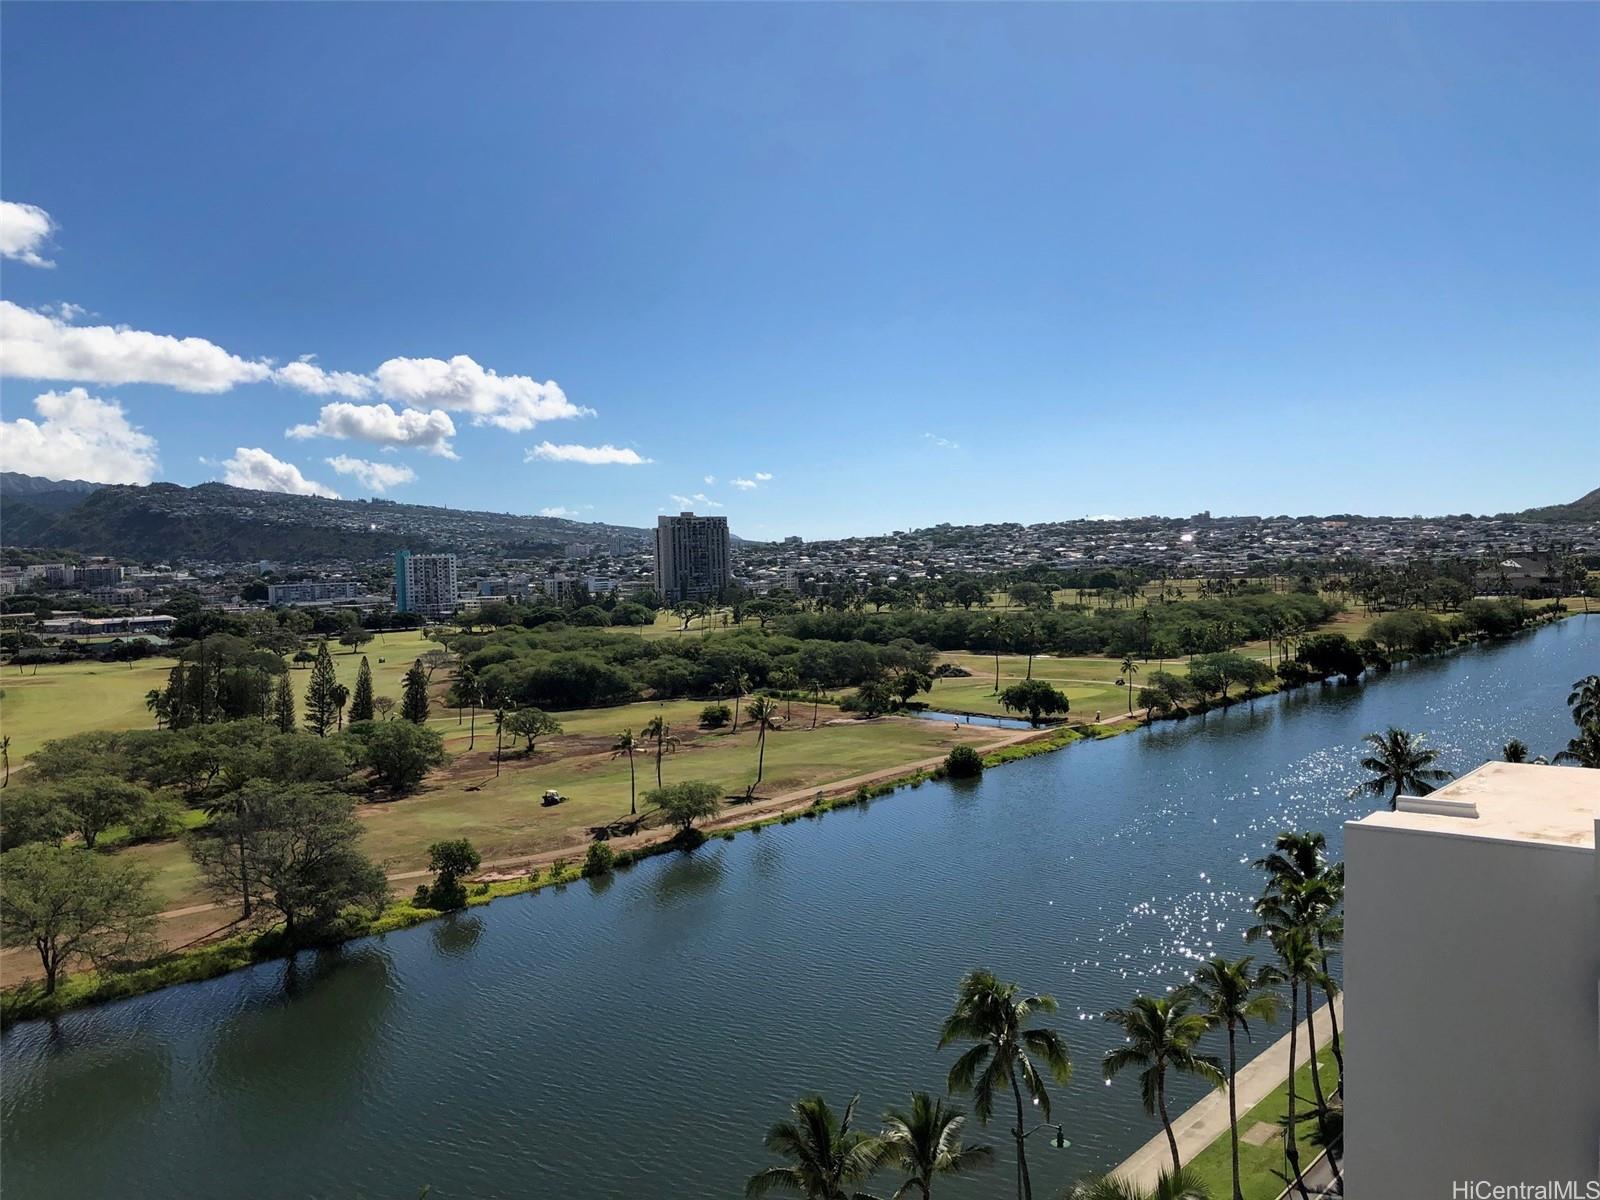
[1263, 1170]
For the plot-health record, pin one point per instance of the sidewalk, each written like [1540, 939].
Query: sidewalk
[1208, 1120]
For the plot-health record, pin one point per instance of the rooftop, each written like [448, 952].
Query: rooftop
[1511, 802]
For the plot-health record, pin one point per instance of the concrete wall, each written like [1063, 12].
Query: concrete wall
[1472, 1000]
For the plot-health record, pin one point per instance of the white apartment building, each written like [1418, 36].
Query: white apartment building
[312, 591]
[1472, 988]
[425, 583]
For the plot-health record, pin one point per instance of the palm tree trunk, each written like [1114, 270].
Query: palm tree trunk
[1166, 1121]
[1233, 1112]
[1333, 1021]
[761, 755]
[816, 700]
[472, 728]
[633, 787]
[658, 762]
[1024, 1184]
[1291, 1147]
[1316, 1072]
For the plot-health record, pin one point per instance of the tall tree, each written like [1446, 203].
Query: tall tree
[1129, 670]
[763, 714]
[1162, 1034]
[341, 697]
[739, 684]
[320, 693]
[1232, 995]
[826, 1157]
[361, 701]
[414, 700]
[1400, 762]
[658, 731]
[925, 1145]
[283, 714]
[1584, 701]
[1304, 890]
[626, 744]
[69, 903]
[302, 859]
[995, 1018]
[222, 848]
[1294, 950]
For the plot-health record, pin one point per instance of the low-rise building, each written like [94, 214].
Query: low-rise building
[1472, 987]
[312, 591]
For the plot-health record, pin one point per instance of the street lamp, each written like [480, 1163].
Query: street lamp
[1059, 1142]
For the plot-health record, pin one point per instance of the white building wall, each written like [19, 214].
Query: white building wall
[1472, 1001]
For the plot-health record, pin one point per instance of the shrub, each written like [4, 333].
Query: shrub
[599, 860]
[1295, 674]
[963, 763]
[715, 716]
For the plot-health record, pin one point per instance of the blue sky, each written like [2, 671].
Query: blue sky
[886, 266]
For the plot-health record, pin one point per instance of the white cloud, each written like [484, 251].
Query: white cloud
[513, 402]
[711, 479]
[558, 510]
[764, 476]
[80, 437]
[308, 377]
[254, 468]
[375, 476]
[383, 426]
[942, 442]
[35, 345]
[744, 485]
[700, 498]
[24, 230]
[593, 456]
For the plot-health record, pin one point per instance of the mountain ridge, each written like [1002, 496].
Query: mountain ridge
[222, 523]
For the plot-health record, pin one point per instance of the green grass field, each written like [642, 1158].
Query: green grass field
[79, 697]
[75, 698]
[1263, 1169]
[503, 817]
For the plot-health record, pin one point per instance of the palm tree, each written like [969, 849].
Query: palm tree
[992, 1015]
[1399, 761]
[626, 743]
[1129, 670]
[1516, 751]
[996, 629]
[926, 1144]
[341, 697]
[1186, 1184]
[1296, 953]
[763, 714]
[1584, 701]
[1583, 749]
[816, 700]
[658, 731]
[1233, 994]
[788, 682]
[826, 1155]
[739, 682]
[499, 733]
[5, 758]
[1161, 1034]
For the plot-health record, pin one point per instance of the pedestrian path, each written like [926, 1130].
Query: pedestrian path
[1208, 1120]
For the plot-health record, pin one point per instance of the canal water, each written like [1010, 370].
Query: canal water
[634, 1037]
